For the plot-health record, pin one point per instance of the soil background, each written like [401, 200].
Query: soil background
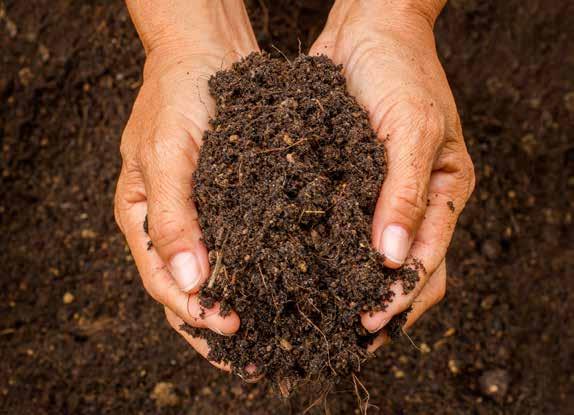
[78, 334]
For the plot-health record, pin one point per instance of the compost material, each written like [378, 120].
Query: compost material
[286, 186]
[69, 74]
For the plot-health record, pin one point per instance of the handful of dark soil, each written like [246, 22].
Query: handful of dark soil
[286, 186]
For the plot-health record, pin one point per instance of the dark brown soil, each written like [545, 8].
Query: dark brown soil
[286, 187]
[501, 342]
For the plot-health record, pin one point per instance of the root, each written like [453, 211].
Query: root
[363, 402]
[411, 340]
[310, 212]
[320, 105]
[272, 150]
[324, 338]
[322, 398]
[216, 269]
[282, 54]
[218, 264]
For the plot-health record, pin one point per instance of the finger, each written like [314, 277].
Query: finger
[430, 295]
[376, 321]
[200, 345]
[158, 281]
[449, 188]
[168, 160]
[414, 132]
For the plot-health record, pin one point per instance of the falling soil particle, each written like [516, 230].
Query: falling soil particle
[286, 187]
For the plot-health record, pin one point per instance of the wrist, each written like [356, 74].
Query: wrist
[385, 13]
[191, 34]
[191, 25]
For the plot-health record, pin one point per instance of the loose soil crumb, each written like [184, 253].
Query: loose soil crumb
[286, 187]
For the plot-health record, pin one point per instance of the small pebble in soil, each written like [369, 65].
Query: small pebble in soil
[491, 249]
[454, 366]
[68, 298]
[488, 302]
[164, 394]
[494, 384]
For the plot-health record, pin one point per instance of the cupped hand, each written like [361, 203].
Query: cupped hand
[160, 148]
[390, 62]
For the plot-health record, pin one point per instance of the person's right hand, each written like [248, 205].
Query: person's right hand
[160, 148]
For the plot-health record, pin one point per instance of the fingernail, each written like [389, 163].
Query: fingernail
[185, 270]
[395, 243]
[382, 324]
[222, 333]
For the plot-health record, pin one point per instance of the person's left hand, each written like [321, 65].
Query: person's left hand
[389, 60]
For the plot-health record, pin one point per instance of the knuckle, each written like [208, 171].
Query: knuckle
[158, 146]
[146, 152]
[435, 124]
[466, 176]
[128, 141]
[157, 278]
[419, 115]
[125, 149]
[118, 203]
[117, 215]
[408, 202]
[164, 231]
[472, 179]
[441, 289]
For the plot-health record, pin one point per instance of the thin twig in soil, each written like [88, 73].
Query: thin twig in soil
[282, 54]
[363, 402]
[310, 212]
[239, 170]
[272, 150]
[411, 340]
[324, 337]
[320, 105]
[358, 361]
[315, 307]
[322, 398]
[226, 279]
[218, 263]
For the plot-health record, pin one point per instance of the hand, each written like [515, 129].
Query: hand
[390, 62]
[160, 148]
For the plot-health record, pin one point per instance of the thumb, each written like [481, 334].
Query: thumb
[412, 137]
[167, 161]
